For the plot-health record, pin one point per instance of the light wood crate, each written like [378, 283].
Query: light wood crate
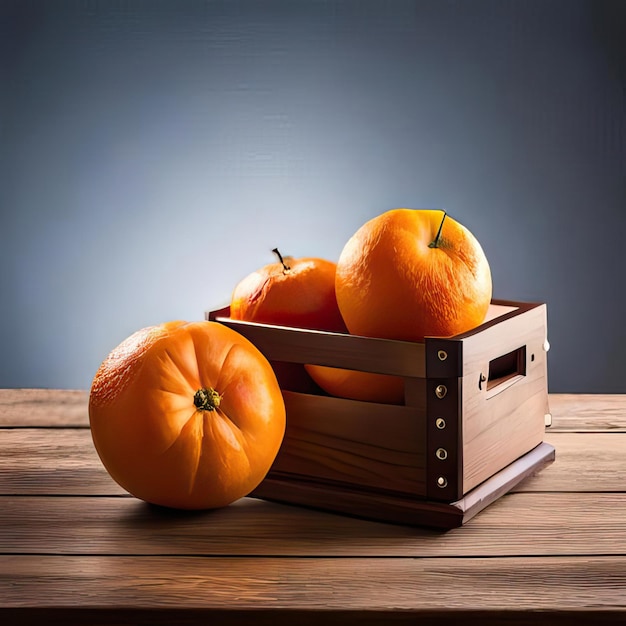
[470, 428]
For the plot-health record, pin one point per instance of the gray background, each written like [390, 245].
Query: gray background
[153, 153]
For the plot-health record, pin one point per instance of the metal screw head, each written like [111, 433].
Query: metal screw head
[442, 354]
[441, 454]
[441, 391]
[442, 482]
[440, 423]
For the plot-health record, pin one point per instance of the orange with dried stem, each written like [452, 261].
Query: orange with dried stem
[409, 273]
[187, 415]
[290, 292]
[300, 293]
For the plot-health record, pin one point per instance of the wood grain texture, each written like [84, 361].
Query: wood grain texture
[588, 412]
[59, 461]
[591, 462]
[392, 583]
[317, 586]
[50, 408]
[76, 549]
[403, 508]
[523, 524]
[347, 441]
[502, 423]
[279, 343]
[64, 462]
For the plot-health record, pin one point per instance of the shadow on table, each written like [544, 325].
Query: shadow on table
[253, 526]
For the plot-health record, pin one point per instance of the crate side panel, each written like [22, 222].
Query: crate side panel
[503, 418]
[381, 356]
[362, 444]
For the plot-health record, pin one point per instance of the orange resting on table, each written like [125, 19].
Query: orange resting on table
[187, 415]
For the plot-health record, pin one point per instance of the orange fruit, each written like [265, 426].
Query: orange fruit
[291, 292]
[357, 385]
[300, 293]
[186, 415]
[409, 273]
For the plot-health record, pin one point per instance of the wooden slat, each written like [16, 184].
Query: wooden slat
[588, 412]
[64, 462]
[514, 413]
[590, 462]
[385, 356]
[52, 461]
[331, 439]
[404, 508]
[322, 587]
[43, 407]
[523, 524]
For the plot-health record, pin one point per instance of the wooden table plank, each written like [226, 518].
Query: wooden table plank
[317, 585]
[588, 412]
[585, 462]
[525, 524]
[48, 408]
[65, 462]
[59, 461]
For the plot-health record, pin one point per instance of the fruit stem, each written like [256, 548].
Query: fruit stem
[286, 267]
[207, 399]
[435, 242]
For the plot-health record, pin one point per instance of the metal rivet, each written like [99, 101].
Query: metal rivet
[441, 391]
[441, 454]
[442, 482]
[440, 423]
[442, 354]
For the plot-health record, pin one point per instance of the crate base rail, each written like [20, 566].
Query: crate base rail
[386, 507]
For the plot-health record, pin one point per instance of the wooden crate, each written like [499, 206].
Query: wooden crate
[470, 428]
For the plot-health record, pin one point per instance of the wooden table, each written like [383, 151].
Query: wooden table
[75, 548]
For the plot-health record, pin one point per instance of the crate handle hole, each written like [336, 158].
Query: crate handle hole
[504, 371]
